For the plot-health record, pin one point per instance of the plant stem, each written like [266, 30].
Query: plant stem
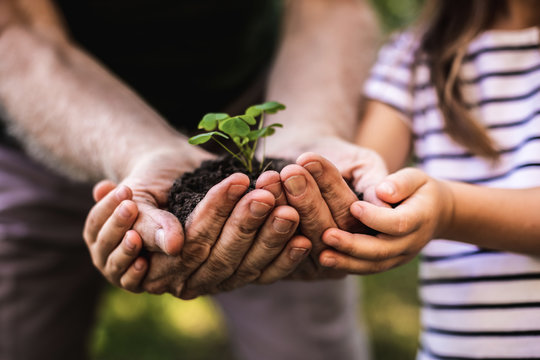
[230, 152]
[261, 122]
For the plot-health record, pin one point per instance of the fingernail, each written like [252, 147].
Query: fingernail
[129, 243]
[329, 261]
[124, 211]
[282, 226]
[387, 187]
[314, 168]
[275, 189]
[259, 209]
[296, 185]
[357, 209]
[160, 239]
[235, 191]
[122, 193]
[297, 253]
[139, 264]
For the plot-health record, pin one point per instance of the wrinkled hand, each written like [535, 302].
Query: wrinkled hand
[245, 239]
[424, 208]
[322, 197]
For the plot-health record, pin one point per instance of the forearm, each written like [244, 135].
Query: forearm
[501, 219]
[326, 51]
[69, 111]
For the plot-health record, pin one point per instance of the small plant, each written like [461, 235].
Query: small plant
[239, 130]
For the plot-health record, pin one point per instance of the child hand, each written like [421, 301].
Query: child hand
[115, 248]
[424, 209]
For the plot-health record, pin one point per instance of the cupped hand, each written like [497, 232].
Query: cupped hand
[424, 208]
[227, 246]
[114, 248]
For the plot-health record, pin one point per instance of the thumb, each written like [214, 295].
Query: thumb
[160, 230]
[400, 185]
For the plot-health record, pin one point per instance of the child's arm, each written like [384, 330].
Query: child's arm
[500, 219]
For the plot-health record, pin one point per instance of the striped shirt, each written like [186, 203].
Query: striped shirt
[476, 303]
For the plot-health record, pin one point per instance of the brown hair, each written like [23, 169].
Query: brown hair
[447, 27]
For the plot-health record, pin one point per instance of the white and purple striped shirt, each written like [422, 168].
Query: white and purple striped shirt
[476, 303]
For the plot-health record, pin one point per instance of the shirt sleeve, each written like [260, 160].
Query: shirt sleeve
[391, 80]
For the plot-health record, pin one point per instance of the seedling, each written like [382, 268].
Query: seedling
[243, 130]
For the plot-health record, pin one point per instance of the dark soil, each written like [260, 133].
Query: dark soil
[189, 189]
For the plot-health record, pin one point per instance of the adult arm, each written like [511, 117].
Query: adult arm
[68, 111]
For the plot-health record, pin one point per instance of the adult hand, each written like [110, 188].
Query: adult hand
[230, 246]
[114, 248]
[424, 208]
[225, 240]
[316, 189]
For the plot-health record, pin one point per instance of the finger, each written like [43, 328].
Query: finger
[102, 188]
[122, 257]
[395, 222]
[270, 181]
[160, 230]
[338, 261]
[204, 225]
[295, 252]
[271, 239]
[371, 196]
[400, 185]
[100, 212]
[134, 276]
[334, 189]
[303, 194]
[113, 231]
[364, 247]
[237, 236]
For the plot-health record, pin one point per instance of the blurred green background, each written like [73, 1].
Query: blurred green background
[148, 327]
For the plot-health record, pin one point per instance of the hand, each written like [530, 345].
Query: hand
[361, 167]
[322, 197]
[254, 244]
[270, 258]
[424, 208]
[114, 248]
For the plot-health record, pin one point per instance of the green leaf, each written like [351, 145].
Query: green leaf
[263, 132]
[209, 121]
[248, 119]
[270, 107]
[202, 138]
[253, 111]
[234, 126]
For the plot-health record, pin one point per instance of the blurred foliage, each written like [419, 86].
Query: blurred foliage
[396, 14]
[147, 327]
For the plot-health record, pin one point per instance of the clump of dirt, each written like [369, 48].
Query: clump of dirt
[189, 189]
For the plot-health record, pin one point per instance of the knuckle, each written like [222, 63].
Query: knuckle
[273, 243]
[247, 274]
[382, 253]
[113, 267]
[219, 267]
[195, 253]
[403, 225]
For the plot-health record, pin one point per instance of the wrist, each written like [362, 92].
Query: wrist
[447, 210]
[177, 155]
